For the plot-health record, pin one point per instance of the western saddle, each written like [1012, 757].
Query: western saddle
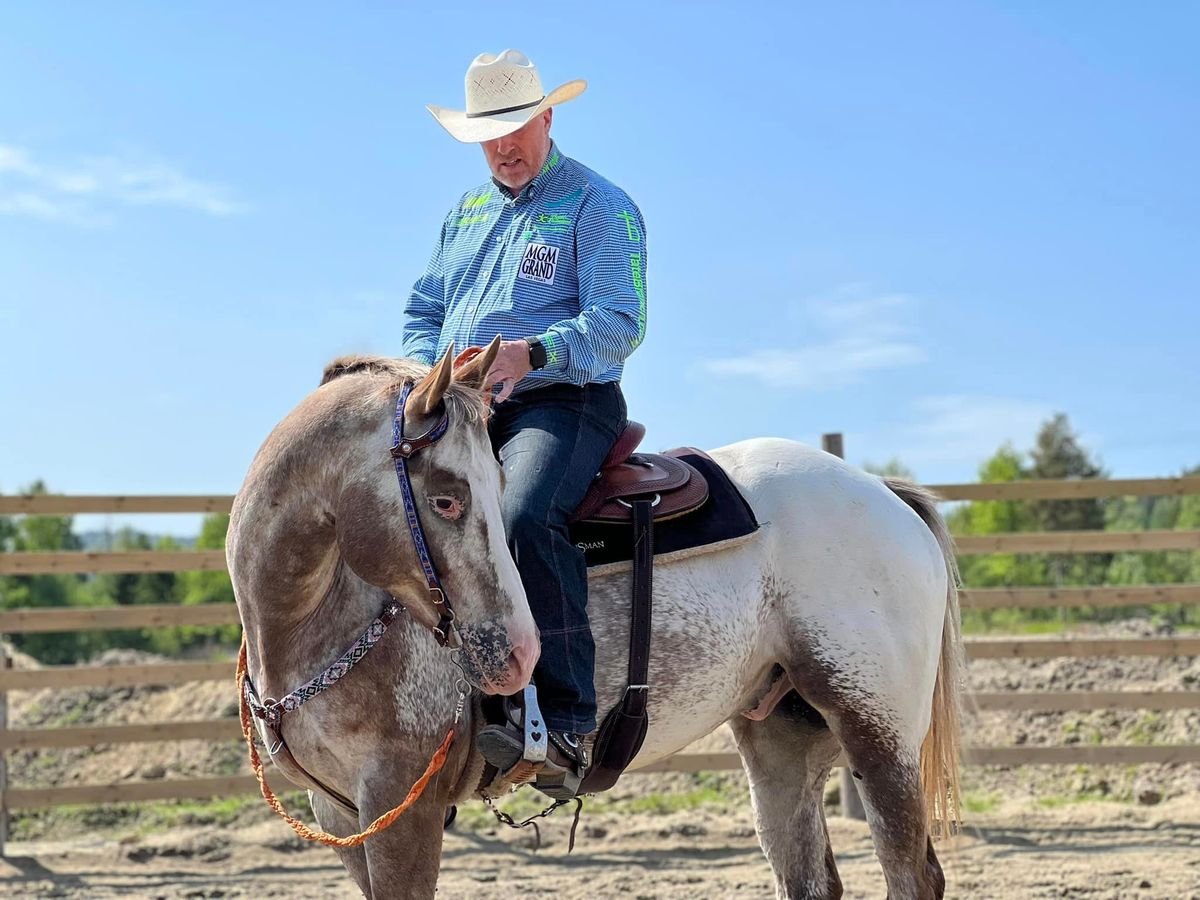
[673, 487]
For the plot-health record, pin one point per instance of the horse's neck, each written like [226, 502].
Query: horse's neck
[293, 588]
[294, 562]
[285, 544]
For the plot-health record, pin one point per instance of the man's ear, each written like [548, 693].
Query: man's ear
[473, 373]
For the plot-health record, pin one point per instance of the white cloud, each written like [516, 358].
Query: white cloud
[25, 203]
[82, 191]
[958, 428]
[862, 333]
[837, 363]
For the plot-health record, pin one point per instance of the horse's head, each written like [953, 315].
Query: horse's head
[456, 484]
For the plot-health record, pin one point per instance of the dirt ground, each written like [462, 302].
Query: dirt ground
[1095, 832]
[1091, 850]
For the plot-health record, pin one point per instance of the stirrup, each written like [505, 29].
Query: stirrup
[519, 751]
[537, 735]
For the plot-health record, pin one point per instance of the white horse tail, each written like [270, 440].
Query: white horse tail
[940, 749]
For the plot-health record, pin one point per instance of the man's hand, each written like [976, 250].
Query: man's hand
[511, 365]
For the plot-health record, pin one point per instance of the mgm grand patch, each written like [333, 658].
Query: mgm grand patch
[539, 263]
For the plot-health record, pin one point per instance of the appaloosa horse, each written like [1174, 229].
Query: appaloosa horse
[834, 628]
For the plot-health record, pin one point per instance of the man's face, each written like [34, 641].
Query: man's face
[515, 158]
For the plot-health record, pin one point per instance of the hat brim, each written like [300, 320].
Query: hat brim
[488, 128]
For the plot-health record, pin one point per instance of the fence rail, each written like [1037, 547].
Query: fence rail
[107, 618]
[77, 562]
[66, 504]
[185, 788]
[167, 615]
[1044, 489]
[1077, 542]
[229, 728]
[114, 676]
[184, 672]
[1071, 489]
[74, 562]
[1035, 598]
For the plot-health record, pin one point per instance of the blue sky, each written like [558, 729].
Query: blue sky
[928, 226]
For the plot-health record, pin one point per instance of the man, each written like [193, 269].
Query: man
[553, 258]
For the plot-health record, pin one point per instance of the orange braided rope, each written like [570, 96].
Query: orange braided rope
[331, 840]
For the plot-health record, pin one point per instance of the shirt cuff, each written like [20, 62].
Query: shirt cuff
[556, 352]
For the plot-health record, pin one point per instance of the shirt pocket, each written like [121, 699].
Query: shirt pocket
[544, 282]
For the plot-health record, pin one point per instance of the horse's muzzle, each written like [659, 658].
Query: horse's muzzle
[500, 661]
[521, 661]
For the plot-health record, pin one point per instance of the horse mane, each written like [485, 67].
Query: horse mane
[463, 403]
[355, 363]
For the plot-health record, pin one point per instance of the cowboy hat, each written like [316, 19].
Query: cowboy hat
[503, 93]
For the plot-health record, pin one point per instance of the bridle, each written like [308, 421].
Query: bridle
[445, 632]
[271, 711]
[403, 449]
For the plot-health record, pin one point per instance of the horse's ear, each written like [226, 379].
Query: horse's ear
[429, 391]
[473, 373]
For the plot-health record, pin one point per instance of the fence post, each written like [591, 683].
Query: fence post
[5, 665]
[851, 802]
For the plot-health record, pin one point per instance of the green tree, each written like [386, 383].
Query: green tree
[202, 587]
[8, 532]
[134, 588]
[997, 517]
[1058, 454]
[892, 468]
[40, 534]
[1158, 567]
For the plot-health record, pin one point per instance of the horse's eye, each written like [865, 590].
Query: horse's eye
[446, 506]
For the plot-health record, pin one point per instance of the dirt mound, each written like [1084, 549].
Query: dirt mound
[1102, 727]
[106, 763]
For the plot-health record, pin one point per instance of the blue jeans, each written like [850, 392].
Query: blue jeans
[551, 441]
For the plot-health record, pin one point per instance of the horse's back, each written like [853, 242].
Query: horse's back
[809, 498]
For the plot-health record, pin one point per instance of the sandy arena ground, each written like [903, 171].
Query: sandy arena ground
[1101, 851]
[1096, 832]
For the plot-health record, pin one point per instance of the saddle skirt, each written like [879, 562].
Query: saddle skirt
[673, 487]
[695, 506]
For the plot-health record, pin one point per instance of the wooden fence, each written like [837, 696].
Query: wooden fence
[156, 616]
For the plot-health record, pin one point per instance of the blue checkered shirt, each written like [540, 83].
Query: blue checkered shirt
[563, 261]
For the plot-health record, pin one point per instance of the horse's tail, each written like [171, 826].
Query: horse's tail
[940, 749]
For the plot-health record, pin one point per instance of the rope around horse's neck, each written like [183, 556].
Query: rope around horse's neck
[332, 840]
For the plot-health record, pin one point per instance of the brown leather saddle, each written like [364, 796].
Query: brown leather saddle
[673, 487]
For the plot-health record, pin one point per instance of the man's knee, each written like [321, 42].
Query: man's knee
[526, 522]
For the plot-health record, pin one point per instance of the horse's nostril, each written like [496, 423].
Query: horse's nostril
[524, 656]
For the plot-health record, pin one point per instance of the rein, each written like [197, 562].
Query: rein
[324, 837]
[445, 633]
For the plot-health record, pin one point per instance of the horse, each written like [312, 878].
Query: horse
[834, 630]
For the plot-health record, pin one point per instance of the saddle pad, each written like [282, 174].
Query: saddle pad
[724, 516]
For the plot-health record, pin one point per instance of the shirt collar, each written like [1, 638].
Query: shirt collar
[540, 180]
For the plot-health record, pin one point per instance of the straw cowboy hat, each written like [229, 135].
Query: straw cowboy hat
[503, 93]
